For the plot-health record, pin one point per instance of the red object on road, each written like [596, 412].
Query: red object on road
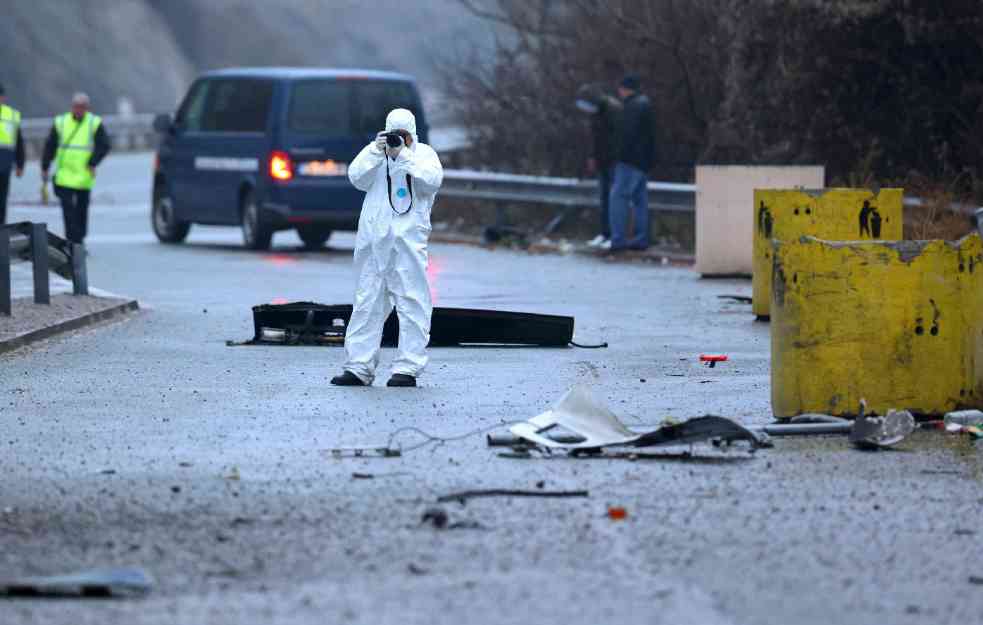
[712, 359]
[617, 513]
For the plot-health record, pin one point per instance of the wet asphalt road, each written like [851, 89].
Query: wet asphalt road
[148, 442]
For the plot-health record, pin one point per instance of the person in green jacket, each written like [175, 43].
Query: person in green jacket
[77, 143]
[11, 150]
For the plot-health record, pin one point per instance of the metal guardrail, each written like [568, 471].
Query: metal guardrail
[136, 132]
[956, 207]
[45, 251]
[566, 192]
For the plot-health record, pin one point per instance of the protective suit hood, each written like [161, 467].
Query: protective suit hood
[402, 119]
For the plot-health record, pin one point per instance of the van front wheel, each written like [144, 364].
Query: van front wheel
[167, 228]
[256, 234]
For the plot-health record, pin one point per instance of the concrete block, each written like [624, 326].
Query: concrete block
[899, 324]
[724, 226]
[830, 214]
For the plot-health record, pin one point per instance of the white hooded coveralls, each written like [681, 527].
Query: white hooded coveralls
[391, 252]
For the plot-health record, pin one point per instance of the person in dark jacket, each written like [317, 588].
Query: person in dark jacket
[636, 151]
[11, 150]
[605, 112]
[77, 143]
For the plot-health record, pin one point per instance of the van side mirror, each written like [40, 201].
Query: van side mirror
[163, 123]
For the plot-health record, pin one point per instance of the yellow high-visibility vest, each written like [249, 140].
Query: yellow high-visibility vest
[9, 123]
[76, 141]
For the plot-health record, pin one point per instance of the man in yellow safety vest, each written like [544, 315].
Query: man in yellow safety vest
[11, 150]
[77, 144]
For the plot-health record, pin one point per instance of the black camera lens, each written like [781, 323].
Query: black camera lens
[394, 140]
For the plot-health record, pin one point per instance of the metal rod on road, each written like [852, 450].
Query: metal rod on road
[39, 259]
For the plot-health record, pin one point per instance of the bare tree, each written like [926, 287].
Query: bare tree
[886, 86]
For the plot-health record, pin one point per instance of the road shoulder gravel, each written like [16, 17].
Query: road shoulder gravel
[30, 322]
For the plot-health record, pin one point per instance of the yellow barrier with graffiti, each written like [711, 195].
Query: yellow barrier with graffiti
[899, 324]
[831, 214]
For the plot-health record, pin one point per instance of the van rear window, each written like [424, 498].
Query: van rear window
[346, 107]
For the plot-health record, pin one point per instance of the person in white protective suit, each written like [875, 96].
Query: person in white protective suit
[400, 184]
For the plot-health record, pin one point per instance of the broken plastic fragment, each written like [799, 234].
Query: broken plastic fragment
[886, 431]
[964, 417]
[597, 427]
[576, 411]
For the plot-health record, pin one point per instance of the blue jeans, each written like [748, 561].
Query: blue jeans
[629, 196]
[604, 183]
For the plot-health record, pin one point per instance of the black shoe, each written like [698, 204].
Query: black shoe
[401, 379]
[347, 379]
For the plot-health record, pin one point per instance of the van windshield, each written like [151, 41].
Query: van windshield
[346, 107]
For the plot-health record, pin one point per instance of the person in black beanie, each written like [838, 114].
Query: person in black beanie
[636, 151]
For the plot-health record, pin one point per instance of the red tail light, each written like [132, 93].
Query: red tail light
[281, 167]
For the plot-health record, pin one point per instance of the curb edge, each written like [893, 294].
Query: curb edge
[35, 336]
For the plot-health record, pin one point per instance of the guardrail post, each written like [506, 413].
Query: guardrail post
[5, 308]
[80, 276]
[39, 259]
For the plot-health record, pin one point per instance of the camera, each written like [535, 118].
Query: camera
[394, 139]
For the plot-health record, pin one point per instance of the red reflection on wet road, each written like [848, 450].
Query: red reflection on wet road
[280, 259]
[434, 268]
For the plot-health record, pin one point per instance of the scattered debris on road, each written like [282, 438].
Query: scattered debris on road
[439, 519]
[711, 360]
[359, 452]
[740, 299]
[416, 570]
[617, 513]
[463, 496]
[578, 422]
[373, 476]
[115, 582]
[881, 432]
[964, 422]
[309, 323]
[436, 517]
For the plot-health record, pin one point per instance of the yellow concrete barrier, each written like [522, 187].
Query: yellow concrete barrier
[899, 324]
[830, 214]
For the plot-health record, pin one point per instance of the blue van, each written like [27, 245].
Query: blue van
[268, 149]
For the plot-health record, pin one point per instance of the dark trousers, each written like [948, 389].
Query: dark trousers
[75, 212]
[604, 184]
[4, 189]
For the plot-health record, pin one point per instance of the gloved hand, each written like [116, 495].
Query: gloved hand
[380, 141]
